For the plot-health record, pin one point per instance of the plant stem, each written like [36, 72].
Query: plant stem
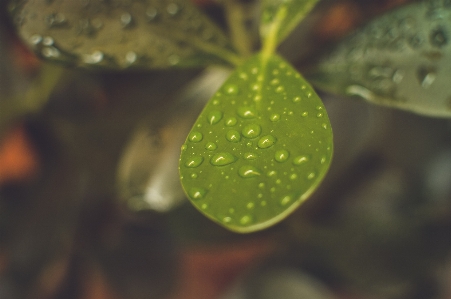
[270, 41]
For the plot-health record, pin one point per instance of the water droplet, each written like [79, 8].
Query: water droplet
[35, 39]
[184, 147]
[274, 117]
[211, 146]
[251, 131]
[274, 81]
[195, 137]
[222, 159]
[55, 20]
[248, 171]
[438, 37]
[281, 155]
[261, 185]
[304, 114]
[214, 117]
[233, 136]
[130, 57]
[300, 160]
[194, 162]
[286, 200]
[93, 58]
[194, 175]
[426, 77]
[227, 219]
[319, 115]
[243, 76]
[173, 9]
[263, 203]
[231, 89]
[204, 206]
[247, 112]
[151, 14]
[266, 141]
[311, 175]
[271, 173]
[250, 205]
[174, 59]
[126, 20]
[296, 99]
[50, 52]
[245, 220]
[197, 193]
[280, 89]
[230, 121]
[250, 156]
[293, 176]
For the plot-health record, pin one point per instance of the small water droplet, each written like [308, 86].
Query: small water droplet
[222, 159]
[243, 76]
[126, 20]
[231, 89]
[93, 58]
[184, 147]
[319, 115]
[296, 99]
[426, 77]
[204, 206]
[35, 39]
[50, 52]
[248, 171]
[227, 219]
[194, 175]
[293, 176]
[250, 205]
[311, 175]
[173, 9]
[250, 156]
[216, 102]
[233, 136]
[211, 146]
[271, 173]
[300, 160]
[274, 117]
[194, 162]
[174, 59]
[280, 89]
[230, 121]
[251, 131]
[197, 193]
[438, 37]
[274, 81]
[286, 200]
[214, 117]
[195, 136]
[130, 57]
[247, 112]
[55, 20]
[304, 114]
[245, 220]
[266, 141]
[281, 155]
[261, 185]
[151, 14]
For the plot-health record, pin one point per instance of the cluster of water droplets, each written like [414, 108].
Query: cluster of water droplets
[239, 135]
[397, 59]
[117, 34]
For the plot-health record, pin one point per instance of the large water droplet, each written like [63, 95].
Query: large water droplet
[230, 121]
[194, 162]
[214, 117]
[246, 220]
[281, 155]
[251, 131]
[439, 37]
[211, 146]
[300, 160]
[247, 112]
[222, 159]
[195, 137]
[233, 136]
[266, 141]
[197, 193]
[248, 171]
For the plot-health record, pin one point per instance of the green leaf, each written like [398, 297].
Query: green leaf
[122, 34]
[259, 148]
[397, 60]
[280, 17]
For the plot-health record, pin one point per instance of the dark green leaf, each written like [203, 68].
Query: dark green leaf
[121, 33]
[400, 59]
[259, 149]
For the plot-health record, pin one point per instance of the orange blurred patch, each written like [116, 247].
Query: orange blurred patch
[18, 160]
[339, 20]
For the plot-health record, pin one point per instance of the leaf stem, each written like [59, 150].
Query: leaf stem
[270, 41]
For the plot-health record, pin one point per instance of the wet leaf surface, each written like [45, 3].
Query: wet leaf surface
[121, 34]
[399, 60]
[259, 149]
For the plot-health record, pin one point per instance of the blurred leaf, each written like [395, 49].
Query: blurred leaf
[259, 148]
[280, 17]
[121, 34]
[400, 59]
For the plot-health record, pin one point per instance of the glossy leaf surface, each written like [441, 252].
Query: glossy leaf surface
[282, 16]
[259, 148]
[121, 33]
[400, 59]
